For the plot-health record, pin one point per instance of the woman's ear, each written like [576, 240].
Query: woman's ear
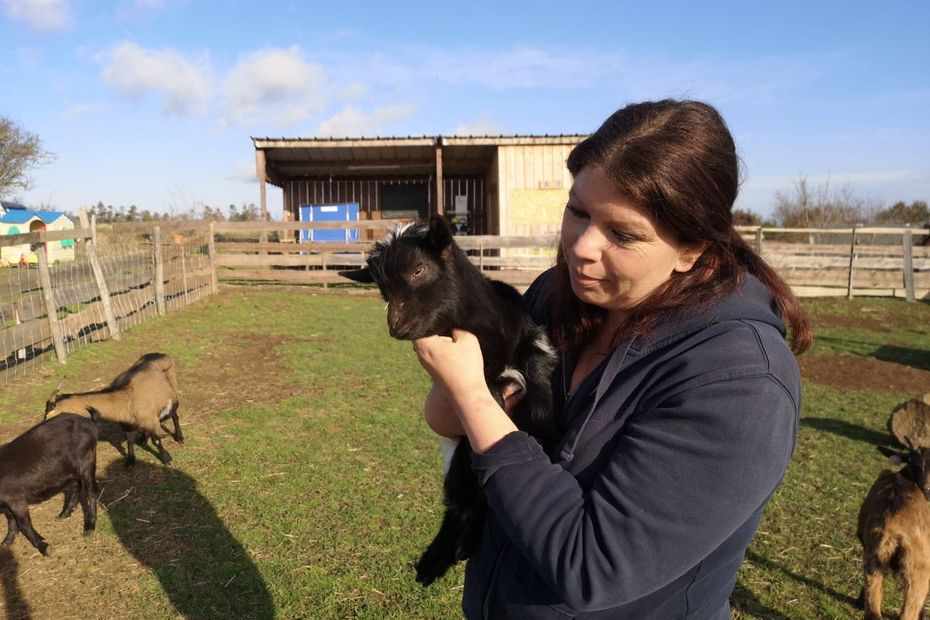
[689, 254]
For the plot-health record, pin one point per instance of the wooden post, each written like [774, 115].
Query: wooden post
[908, 246]
[17, 319]
[758, 241]
[90, 246]
[159, 272]
[852, 261]
[211, 247]
[440, 209]
[50, 309]
[184, 299]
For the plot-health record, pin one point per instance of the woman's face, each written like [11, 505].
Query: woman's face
[617, 253]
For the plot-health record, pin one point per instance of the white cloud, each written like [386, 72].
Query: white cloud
[41, 15]
[481, 127]
[274, 86]
[243, 171]
[352, 122]
[184, 84]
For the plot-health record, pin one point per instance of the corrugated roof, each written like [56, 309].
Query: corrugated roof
[21, 216]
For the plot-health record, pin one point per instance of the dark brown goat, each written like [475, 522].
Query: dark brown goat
[139, 400]
[54, 456]
[894, 529]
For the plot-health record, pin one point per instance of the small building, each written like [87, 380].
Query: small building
[15, 221]
[489, 185]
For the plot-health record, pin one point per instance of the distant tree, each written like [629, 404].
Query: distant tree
[132, 214]
[821, 206]
[746, 218]
[901, 213]
[19, 151]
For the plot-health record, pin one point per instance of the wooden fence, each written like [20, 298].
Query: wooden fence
[847, 262]
[128, 273]
[51, 309]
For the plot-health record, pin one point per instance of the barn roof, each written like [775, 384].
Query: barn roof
[413, 155]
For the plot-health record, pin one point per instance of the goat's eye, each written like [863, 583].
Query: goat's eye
[418, 271]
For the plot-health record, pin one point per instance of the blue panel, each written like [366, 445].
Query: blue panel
[342, 212]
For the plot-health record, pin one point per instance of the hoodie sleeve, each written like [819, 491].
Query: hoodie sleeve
[681, 478]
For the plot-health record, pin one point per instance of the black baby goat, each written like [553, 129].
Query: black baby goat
[431, 287]
[56, 455]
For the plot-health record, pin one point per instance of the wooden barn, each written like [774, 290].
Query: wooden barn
[491, 185]
[20, 220]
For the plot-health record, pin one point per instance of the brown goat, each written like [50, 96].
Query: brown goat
[894, 529]
[54, 456]
[139, 400]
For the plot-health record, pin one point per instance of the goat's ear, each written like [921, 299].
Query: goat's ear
[440, 234]
[359, 275]
[895, 458]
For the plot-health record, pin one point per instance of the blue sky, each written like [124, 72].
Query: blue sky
[154, 102]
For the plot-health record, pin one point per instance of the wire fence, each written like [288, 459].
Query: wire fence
[98, 284]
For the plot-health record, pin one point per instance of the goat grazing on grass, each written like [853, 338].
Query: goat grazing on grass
[894, 529]
[431, 287]
[139, 400]
[54, 456]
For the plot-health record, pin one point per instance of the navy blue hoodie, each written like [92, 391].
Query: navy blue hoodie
[671, 449]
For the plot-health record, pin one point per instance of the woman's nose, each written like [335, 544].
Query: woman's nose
[589, 243]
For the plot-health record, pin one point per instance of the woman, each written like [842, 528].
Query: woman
[679, 396]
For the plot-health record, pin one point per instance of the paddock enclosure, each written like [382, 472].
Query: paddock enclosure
[124, 274]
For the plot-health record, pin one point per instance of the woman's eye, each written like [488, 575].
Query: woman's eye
[621, 237]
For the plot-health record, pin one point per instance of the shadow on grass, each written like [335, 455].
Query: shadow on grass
[13, 602]
[767, 564]
[850, 431]
[167, 525]
[745, 601]
[916, 358]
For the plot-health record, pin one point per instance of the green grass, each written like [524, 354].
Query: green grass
[309, 483]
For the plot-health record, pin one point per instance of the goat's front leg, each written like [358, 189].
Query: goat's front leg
[178, 436]
[163, 455]
[11, 528]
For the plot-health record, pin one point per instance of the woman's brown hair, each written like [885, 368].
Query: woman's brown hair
[677, 160]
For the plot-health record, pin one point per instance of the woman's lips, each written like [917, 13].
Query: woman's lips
[584, 280]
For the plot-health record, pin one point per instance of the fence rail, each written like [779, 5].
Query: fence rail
[128, 273]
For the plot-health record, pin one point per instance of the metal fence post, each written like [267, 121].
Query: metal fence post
[907, 244]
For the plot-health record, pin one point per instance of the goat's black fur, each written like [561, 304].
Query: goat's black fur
[57, 455]
[431, 287]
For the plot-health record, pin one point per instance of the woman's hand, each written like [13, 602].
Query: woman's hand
[457, 368]
[455, 363]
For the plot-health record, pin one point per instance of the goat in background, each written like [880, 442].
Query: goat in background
[431, 287]
[894, 529]
[56, 455]
[139, 400]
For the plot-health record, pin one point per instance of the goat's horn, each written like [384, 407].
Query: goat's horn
[57, 387]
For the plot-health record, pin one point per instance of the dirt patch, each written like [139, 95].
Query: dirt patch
[853, 371]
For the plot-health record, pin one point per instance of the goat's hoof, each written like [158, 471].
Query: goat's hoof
[432, 565]
[63, 515]
[43, 549]
[166, 459]
[129, 463]
[89, 530]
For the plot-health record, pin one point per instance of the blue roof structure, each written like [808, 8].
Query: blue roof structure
[21, 216]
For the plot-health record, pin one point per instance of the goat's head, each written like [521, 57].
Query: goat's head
[411, 267]
[916, 463]
[53, 400]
